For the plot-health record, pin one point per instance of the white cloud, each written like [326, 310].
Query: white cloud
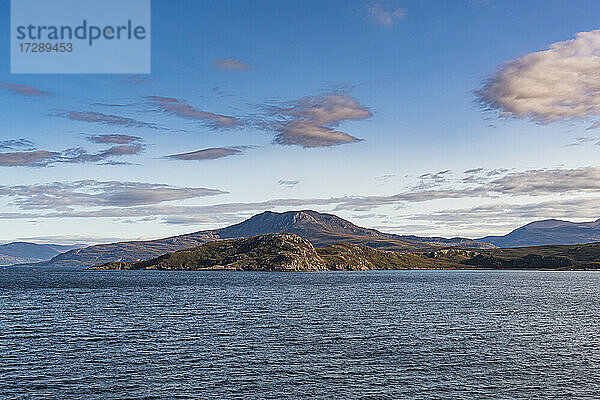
[558, 193]
[312, 121]
[561, 83]
[385, 16]
[62, 196]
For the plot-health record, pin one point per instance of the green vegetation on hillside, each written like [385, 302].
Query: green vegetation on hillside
[319, 228]
[275, 252]
[289, 252]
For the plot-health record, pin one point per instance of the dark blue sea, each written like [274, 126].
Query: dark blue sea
[68, 333]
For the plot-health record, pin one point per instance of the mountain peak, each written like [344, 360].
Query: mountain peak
[300, 222]
[547, 223]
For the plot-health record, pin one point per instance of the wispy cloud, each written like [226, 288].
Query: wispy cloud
[501, 218]
[70, 240]
[431, 180]
[114, 105]
[24, 90]
[524, 183]
[35, 158]
[60, 196]
[170, 105]
[231, 64]
[207, 154]
[91, 199]
[384, 14]
[43, 158]
[584, 140]
[561, 83]
[133, 79]
[114, 139]
[312, 121]
[79, 155]
[104, 119]
[22, 144]
[283, 182]
[189, 219]
[547, 181]
[384, 179]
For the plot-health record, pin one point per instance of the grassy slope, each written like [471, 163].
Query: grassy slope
[280, 252]
[288, 252]
[275, 252]
[353, 257]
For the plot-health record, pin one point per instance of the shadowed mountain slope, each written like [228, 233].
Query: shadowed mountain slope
[26, 252]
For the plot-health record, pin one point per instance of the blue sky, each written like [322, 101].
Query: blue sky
[371, 110]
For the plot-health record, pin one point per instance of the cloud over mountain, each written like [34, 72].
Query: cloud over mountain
[579, 189]
[90, 193]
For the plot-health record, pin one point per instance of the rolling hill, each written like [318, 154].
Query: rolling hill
[26, 252]
[548, 232]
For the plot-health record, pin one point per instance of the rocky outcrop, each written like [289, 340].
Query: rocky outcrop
[354, 257]
[271, 252]
[452, 253]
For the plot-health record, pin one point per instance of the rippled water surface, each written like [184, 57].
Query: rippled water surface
[70, 333]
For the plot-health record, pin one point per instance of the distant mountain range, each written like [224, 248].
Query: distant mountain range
[319, 228]
[26, 252]
[548, 232]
